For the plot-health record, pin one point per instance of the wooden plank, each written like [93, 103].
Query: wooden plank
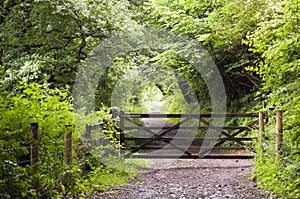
[68, 148]
[190, 147]
[153, 133]
[261, 128]
[188, 138]
[155, 115]
[88, 132]
[229, 136]
[188, 127]
[179, 156]
[250, 125]
[122, 135]
[34, 154]
[159, 135]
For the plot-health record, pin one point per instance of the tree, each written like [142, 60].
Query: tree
[277, 41]
[220, 27]
[47, 40]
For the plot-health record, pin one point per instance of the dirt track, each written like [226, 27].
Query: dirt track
[190, 179]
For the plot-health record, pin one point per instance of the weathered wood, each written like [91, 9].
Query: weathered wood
[190, 138]
[250, 125]
[279, 133]
[153, 133]
[122, 135]
[266, 117]
[163, 130]
[159, 135]
[68, 147]
[188, 127]
[34, 147]
[179, 156]
[88, 132]
[261, 128]
[229, 136]
[156, 115]
[191, 147]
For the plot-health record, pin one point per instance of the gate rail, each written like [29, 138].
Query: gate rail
[186, 150]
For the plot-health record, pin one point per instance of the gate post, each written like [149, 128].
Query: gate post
[88, 135]
[261, 128]
[122, 136]
[279, 131]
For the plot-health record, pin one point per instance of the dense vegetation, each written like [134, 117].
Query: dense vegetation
[256, 46]
[44, 44]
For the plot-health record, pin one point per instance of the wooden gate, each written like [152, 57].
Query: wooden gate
[140, 140]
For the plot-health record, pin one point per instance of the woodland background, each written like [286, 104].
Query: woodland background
[254, 43]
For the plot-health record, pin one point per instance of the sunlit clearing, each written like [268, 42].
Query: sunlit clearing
[152, 99]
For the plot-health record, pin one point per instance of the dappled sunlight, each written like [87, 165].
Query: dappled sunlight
[152, 100]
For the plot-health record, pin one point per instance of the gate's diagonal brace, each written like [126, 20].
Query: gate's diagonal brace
[160, 134]
[231, 137]
[250, 125]
[153, 133]
[234, 134]
[224, 133]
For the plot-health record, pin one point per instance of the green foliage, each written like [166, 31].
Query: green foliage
[220, 27]
[34, 103]
[255, 44]
[47, 40]
[276, 39]
[52, 110]
[281, 177]
[136, 82]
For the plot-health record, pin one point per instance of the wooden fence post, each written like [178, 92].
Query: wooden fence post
[279, 131]
[122, 135]
[261, 128]
[266, 117]
[34, 147]
[68, 146]
[88, 131]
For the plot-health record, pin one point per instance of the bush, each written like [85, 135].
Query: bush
[50, 176]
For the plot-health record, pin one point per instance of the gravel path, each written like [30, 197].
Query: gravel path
[190, 179]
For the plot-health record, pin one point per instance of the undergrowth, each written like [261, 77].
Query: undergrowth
[93, 167]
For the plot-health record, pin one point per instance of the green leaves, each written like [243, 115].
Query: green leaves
[256, 46]
[220, 27]
[53, 37]
[52, 109]
[276, 39]
[33, 103]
